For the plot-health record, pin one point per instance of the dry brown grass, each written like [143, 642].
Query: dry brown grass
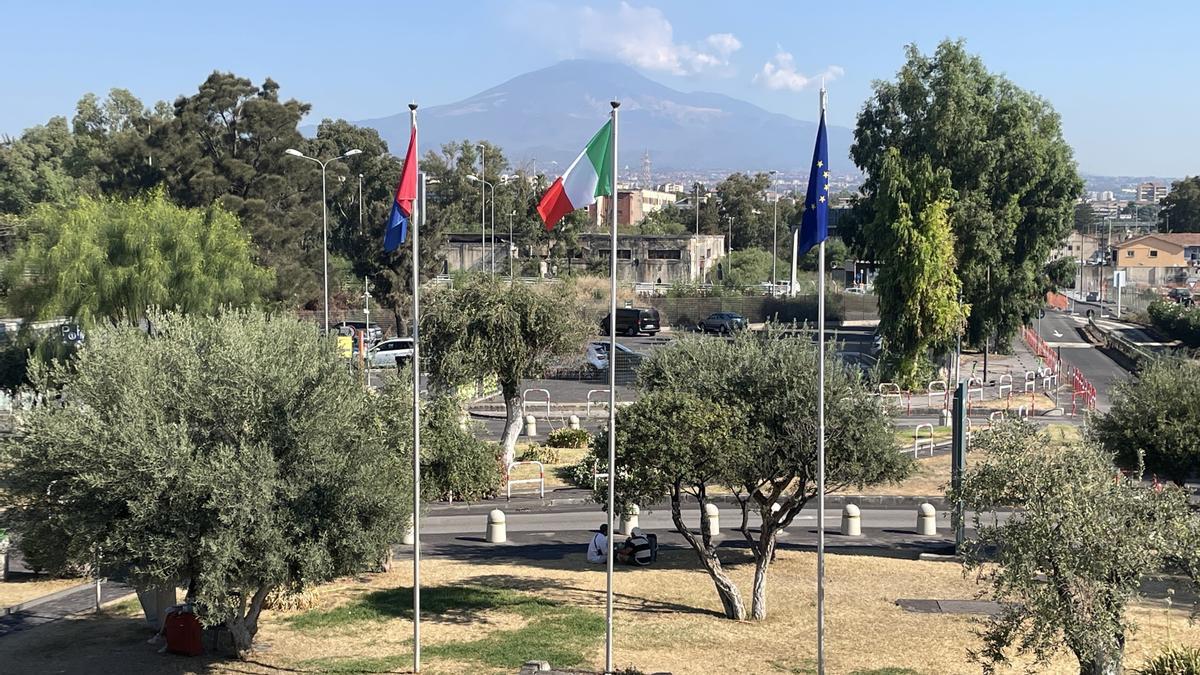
[28, 588]
[666, 620]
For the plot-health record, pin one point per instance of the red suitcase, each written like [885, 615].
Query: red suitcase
[184, 633]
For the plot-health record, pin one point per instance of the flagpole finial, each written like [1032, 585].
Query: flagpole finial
[615, 104]
[412, 106]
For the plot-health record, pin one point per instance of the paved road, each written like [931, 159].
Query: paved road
[1065, 332]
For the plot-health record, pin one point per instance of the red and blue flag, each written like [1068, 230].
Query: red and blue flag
[402, 205]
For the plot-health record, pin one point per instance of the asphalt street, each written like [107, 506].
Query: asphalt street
[1065, 333]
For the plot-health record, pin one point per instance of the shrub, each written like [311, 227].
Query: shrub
[569, 438]
[1173, 661]
[580, 475]
[1176, 321]
[540, 453]
[454, 463]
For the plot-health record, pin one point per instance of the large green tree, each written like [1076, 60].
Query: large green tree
[98, 260]
[1065, 568]
[764, 387]
[1180, 210]
[919, 309]
[1153, 421]
[485, 327]
[195, 453]
[743, 208]
[225, 144]
[1012, 172]
[33, 168]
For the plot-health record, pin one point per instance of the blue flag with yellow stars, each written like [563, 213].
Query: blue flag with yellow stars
[814, 228]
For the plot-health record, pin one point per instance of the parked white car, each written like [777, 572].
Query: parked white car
[384, 354]
[597, 355]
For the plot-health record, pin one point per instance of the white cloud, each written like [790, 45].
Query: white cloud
[641, 37]
[780, 73]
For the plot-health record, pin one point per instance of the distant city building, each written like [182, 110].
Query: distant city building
[673, 187]
[641, 258]
[1151, 192]
[1105, 196]
[1107, 208]
[634, 205]
[1159, 259]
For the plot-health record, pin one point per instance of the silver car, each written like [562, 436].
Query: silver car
[384, 354]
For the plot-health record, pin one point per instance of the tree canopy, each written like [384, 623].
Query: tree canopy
[1066, 568]
[1153, 421]
[919, 308]
[765, 387]
[1180, 210]
[194, 452]
[1013, 175]
[96, 260]
[485, 327]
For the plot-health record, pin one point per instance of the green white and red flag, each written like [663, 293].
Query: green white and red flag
[589, 176]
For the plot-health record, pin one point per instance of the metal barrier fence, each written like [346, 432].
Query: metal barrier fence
[540, 480]
[1082, 390]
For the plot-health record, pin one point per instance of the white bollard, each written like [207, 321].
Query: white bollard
[573, 422]
[496, 533]
[530, 425]
[629, 520]
[712, 520]
[851, 521]
[409, 538]
[926, 520]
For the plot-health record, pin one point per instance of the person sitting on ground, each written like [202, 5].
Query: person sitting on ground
[637, 549]
[598, 550]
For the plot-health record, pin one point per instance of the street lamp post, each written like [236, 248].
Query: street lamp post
[696, 205]
[511, 246]
[324, 218]
[484, 187]
[774, 240]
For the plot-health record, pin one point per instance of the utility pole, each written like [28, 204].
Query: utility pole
[482, 195]
[696, 189]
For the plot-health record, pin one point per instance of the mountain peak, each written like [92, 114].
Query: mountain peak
[549, 113]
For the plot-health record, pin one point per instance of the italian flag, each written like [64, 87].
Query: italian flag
[588, 177]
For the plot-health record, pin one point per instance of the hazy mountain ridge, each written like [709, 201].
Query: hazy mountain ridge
[548, 114]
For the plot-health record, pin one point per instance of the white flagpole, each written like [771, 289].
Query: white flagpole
[418, 214]
[612, 401]
[821, 444]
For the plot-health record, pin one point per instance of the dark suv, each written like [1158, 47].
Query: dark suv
[634, 320]
[1181, 295]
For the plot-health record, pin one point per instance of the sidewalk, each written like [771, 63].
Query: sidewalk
[59, 606]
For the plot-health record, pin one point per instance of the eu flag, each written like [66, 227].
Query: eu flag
[814, 227]
[402, 204]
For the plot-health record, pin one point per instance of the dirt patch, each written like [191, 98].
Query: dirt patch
[667, 618]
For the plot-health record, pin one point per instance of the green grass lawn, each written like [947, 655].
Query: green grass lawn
[560, 633]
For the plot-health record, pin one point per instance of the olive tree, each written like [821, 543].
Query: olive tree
[674, 445]
[484, 327]
[1079, 541]
[235, 454]
[1153, 420]
[764, 387]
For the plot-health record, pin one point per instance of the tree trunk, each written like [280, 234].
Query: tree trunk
[1104, 663]
[244, 625]
[762, 561]
[727, 591]
[513, 403]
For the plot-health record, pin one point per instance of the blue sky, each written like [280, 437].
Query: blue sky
[1121, 75]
